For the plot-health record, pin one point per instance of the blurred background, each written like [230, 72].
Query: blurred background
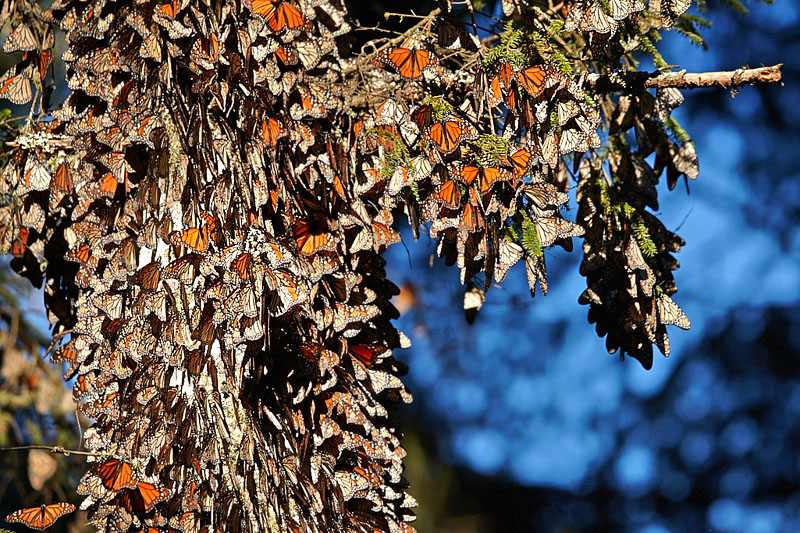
[522, 421]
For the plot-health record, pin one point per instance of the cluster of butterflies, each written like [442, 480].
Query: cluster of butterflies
[207, 209]
[227, 310]
[628, 258]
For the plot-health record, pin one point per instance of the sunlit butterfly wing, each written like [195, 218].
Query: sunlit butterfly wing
[41, 517]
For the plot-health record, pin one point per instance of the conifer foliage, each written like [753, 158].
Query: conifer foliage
[208, 207]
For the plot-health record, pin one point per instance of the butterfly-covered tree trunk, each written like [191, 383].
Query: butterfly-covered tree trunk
[208, 206]
[186, 211]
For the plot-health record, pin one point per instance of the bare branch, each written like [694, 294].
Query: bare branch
[733, 78]
[682, 80]
[51, 449]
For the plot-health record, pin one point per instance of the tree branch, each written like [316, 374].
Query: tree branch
[733, 78]
[51, 449]
[620, 81]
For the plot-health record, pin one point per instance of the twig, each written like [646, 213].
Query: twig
[51, 449]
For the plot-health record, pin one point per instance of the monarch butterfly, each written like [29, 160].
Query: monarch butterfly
[453, 36]
[494, 92]
[390, 113]
[535, 270]
[312, 51]
[537, 78]
[21, 39]
[592, 19]
[43, 61]
[143, 497]
[488, 175]
[205, 53]
[16, 87]
[473, 301]
[670, 313]
[622, 8]
[312, 236]
[521, 160]
[549, 150]
[408, 62]
[507, 256]
[309, 106]
[280, 14]
[368, 355]
[147, 277]
[573, 140]
[448, 134]
[41, 517]
[194, 238]
[471, 218]
[115, 475]
[550, 230]
[544, 197]
[288, 56]
[35, 176]
[110, 304]
[670, 10]
[272, 130]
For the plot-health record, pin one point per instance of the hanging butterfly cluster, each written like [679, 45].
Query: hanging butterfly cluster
[214, 196]
[482, 158]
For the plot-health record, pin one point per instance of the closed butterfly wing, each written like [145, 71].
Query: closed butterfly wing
[473, 301]
[670, 313]
[449, 194]
[550, 230]
[453, 36]
[508, 255]
[535, 268]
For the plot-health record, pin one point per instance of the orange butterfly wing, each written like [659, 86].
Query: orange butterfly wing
[447, 135]
[280, 15]
[450, 194]
[116, 475]
[491, 175]
[410, 63]
[63, 178]
[243, 265]
[532, 78]
[194, 238]
[41, 517]
[468, 173]
[494, 94]
[272, 130]
[520, 160]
